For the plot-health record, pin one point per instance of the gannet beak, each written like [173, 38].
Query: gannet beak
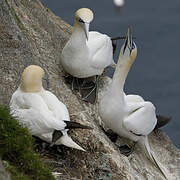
[86, 30]
[129, 38]
[67, 141]
[128, 42]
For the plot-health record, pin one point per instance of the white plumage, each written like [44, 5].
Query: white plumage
[86, 53]
[40, 110]
[128, 115]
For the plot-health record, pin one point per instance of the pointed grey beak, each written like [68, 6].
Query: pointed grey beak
[129, 41]
[86, 30]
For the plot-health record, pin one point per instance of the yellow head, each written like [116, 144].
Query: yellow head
[83, 17]
[31, 80]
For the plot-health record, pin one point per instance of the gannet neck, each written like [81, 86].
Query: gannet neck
[31, 80]
[78, 34]
[127, 56]
[83, 17]
[120, 74]
[31, 88]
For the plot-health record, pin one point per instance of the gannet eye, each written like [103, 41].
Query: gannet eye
[81, 21]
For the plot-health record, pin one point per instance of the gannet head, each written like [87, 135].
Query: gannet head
[31, 80]
[128, 51]
[83, 17]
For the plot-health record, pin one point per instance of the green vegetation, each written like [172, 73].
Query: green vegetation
[16, 147]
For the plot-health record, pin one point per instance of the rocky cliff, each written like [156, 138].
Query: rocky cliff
[3, 174]
[31, 34]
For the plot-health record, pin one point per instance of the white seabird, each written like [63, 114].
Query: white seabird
[40, 110]
[87, 54]
[128, 115]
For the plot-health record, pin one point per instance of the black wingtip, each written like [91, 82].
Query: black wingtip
[120, 38]
[55, 136]
[114, 45]
[162, 121]
[75, 125]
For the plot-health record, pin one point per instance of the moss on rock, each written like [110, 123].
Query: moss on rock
[16, 147]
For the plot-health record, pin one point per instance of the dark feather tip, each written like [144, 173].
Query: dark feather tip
[75, 125]
[162, 121]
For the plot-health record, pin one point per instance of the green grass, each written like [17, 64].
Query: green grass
[16, 147]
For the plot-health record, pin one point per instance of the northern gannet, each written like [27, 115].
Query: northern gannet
[128, 115]
[87, 54]
[40, 110]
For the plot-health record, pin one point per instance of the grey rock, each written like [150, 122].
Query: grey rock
[31, 34]
[3, 174]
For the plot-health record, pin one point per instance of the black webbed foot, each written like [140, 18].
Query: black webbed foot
[89, 91]
[126, 150]
[87, 85]
[89, 94]
[40, 145]
[111, 135]
[74, 82]
[57, 151]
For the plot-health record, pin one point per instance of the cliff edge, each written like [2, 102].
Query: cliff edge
[31, 34]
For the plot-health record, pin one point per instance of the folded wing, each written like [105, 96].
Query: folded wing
[31, 111]
[141, 119]
[100, 49]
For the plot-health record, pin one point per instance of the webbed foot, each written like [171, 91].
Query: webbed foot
[126, 150]
[74, 82]
[111, 135]
[89, 91]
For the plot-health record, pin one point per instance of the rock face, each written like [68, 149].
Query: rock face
[3, 174]
[31, 34]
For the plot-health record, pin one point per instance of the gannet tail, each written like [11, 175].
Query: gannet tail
[145, 144]
[67, 141]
